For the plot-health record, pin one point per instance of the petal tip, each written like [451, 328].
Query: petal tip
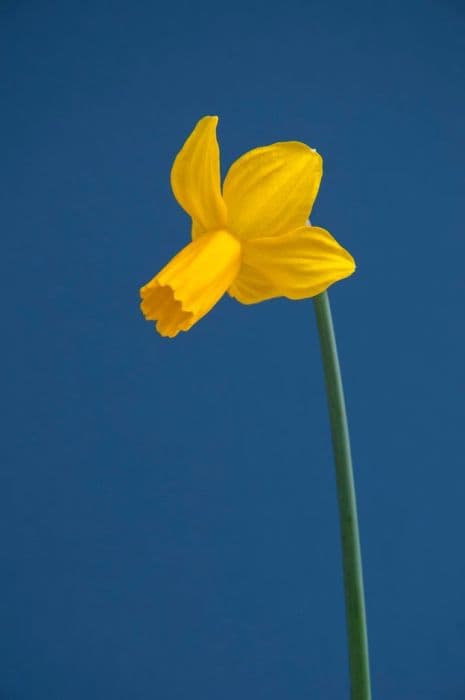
[211, 119]
[351, 264]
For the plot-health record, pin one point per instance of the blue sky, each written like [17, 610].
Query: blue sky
[169, 509]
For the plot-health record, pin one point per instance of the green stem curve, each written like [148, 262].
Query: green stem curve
[351, 556]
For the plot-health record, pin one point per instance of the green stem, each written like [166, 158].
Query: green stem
[351, 557]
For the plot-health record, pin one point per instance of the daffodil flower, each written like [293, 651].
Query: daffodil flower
[250, 239]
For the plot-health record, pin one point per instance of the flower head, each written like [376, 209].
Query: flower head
[250, 239]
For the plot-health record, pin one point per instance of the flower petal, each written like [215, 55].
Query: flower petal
[271, 190]
[196, 229]
[299, 264]
[196, 179]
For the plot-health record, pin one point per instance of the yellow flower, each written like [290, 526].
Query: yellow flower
[251, 240]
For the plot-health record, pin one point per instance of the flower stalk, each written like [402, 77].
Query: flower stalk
[351, 556]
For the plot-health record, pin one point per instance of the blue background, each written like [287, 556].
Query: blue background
[169, 522]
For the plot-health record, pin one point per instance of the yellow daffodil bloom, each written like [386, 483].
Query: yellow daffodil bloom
[250, 239]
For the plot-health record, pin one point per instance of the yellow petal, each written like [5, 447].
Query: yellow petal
[192, 282]
[297, 265]
[196, 230]
[271, 190]
[196, 180]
